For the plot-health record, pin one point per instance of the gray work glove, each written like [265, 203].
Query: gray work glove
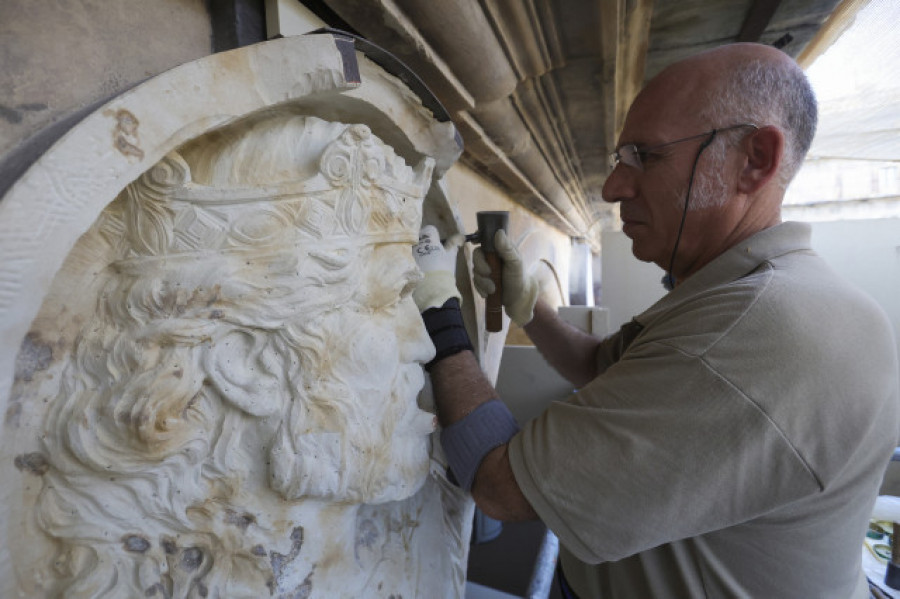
[438, 265]
[520, 291]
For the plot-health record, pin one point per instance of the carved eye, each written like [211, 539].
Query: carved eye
[400, 290]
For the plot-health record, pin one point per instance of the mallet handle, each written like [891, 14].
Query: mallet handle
[493, 309]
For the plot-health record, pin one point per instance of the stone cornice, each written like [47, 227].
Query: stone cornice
[539, 88]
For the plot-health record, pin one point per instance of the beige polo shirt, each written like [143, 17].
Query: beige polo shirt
[736, 447]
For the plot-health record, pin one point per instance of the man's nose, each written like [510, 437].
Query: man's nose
[619, 185]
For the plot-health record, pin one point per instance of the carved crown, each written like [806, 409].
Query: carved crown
[363, 193]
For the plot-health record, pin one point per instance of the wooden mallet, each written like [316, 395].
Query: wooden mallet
[489, 223]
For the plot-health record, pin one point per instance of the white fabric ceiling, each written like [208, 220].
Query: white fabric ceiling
[857, 81]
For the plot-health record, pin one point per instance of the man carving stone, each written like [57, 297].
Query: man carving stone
[730, 441]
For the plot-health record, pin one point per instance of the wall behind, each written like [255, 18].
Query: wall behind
[628, 286]
[866, 252]
[62, 59]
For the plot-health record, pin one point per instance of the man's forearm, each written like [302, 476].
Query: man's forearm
[569, 351]
[477, 426]
[460, 387]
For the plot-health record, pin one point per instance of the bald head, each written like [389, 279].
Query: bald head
[732, 55]
[743, 83]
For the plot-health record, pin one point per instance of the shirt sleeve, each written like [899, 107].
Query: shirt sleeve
[658, 448]
[613, 347]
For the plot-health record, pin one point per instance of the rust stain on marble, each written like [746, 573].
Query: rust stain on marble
[33, 463]
[35, 354]
[242, 521]
[125, 133]
[14, 411]
[304, 589]
[157, 588]
[280, 561]
[135, 543]
[191, 558]
[169, 546]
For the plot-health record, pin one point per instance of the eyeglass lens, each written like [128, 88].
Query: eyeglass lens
[628, 155]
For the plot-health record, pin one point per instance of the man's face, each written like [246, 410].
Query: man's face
[651, 201]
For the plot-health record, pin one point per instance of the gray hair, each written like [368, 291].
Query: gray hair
[764, 93]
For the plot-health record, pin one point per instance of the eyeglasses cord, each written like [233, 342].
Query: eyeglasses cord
[669, 280]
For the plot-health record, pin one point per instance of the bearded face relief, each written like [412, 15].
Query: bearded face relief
[367, 374]
[253, 358]
[390, 332]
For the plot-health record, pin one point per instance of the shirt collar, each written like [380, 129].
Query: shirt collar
[736, 262]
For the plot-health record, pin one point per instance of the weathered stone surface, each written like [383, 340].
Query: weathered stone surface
[218, 394]
[61, 60]
[59, 57]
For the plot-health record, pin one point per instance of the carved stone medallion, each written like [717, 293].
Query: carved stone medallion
[220, 395]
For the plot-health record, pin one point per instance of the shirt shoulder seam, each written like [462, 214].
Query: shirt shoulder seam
[740, 392]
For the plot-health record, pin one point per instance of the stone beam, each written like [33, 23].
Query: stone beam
[625, 38]
[611, 22]
[758, 18]
[236, 23]
[632, 56]
[510, 110]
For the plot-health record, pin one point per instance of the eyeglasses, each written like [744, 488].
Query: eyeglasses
[634, 155]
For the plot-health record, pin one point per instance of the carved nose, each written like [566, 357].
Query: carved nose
[415, 344]
[424, 348]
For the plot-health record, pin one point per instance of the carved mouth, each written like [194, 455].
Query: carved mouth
[415, 421]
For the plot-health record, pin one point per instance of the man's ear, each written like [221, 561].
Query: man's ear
[764, 150]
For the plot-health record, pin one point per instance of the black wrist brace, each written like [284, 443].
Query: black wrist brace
[447, 331]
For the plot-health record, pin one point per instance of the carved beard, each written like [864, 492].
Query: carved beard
[355, 433]
[403, 469]
[357, 463]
